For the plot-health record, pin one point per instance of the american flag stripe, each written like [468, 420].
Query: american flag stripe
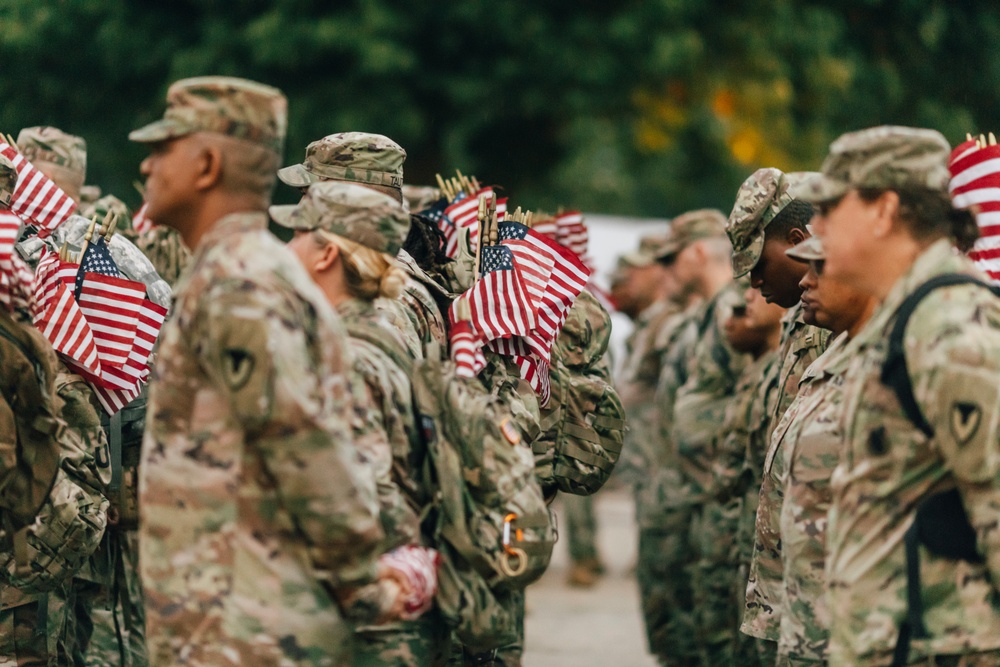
[36, 197]
[961, 151]
[111, 306]
[536, 373]
[464, 213]
[466, 350]
[975, 181]
[547, 227]
[140, 221]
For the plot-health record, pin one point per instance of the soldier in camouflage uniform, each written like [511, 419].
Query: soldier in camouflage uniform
[376, 162]
[888, 226]
[724, 562]
[258, 522]
[698, 254]
[765, 222]
[347, 237]
[60, 156]
[809, 438]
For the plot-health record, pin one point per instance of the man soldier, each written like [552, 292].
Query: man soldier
[258, 524]
[765, 222]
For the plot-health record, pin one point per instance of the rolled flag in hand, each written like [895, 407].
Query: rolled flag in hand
[466, 350]
[419, 566]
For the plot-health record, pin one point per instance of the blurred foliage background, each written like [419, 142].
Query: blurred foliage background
[637, 107]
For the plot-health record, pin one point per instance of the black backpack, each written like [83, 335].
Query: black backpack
[940, 524]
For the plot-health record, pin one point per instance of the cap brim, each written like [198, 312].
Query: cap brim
[297, 176]
[285, 216]
[818, 188]
[636, 259]
[806, 252]
[744, 260]
[157, 131]
[667, 251]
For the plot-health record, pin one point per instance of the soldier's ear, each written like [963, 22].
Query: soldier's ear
[327, 257]
[208, 165]
[796, 236]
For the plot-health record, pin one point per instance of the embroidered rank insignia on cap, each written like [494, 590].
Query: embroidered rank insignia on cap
[964, 420]
[510, 432]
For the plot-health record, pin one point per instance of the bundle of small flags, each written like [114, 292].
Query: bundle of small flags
[107, 308]
[526, 286]
[37, 199]
[418, 565]
[463, 195]
[975, 184]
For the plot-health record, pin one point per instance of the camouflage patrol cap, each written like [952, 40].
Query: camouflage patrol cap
[685, 229]
[648, 251]
[809, 250]
[884, 157]
[349, 156]
[8, 179]
[49, 148]
[759, 201]
[237, 108]
[420, 197]
[354, 212]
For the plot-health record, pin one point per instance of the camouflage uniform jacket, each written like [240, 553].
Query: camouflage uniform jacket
[733, 470]
[801, 345]
[385, 432]
[888, 467]
[251, 498]
[700, 406]
[656, 494]
[636, 385]
[811, 437]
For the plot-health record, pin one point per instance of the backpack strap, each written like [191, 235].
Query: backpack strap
[896, 376]
[895, 373]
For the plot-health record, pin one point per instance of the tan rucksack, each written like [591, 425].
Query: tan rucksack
[52, 509]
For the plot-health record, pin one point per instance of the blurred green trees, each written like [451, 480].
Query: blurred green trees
[644, 107]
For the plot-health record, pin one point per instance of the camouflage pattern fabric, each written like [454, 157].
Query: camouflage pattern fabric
[879, 158]
[8, 181]
[801, 345]
[761, 197]
[250, 382]
[888, 467]
[351, 211]
[384, 429]
[636, 385]
[665, 526]
[720, 580]
[62, 155]
[238, 108]
[580, 527]
[119, 618]
[349, 156]
[166, 250]
[583, 423]
[810, 433]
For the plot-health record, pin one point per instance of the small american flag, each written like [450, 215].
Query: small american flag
[466, 350]
[435, 214]
[571, 232]
[975, 181]
[141, 222]
[498, 301]
[15, 276]
[60, 319]
[536, 372]
[36, 197]
[464, 213]
[566, 280]
[547, 227]
[110, 303]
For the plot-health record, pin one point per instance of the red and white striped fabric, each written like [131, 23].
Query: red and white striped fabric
[111, 306]
[975, 182]
[16, 279]
[536, 373]
[464, 213]
[36, 197]
[547, 227]
[567, 279]
[141, 222]
[466, 350]
[419, 565]
[498, 301]
[501, 209]
[571, 231]
[60, 319]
